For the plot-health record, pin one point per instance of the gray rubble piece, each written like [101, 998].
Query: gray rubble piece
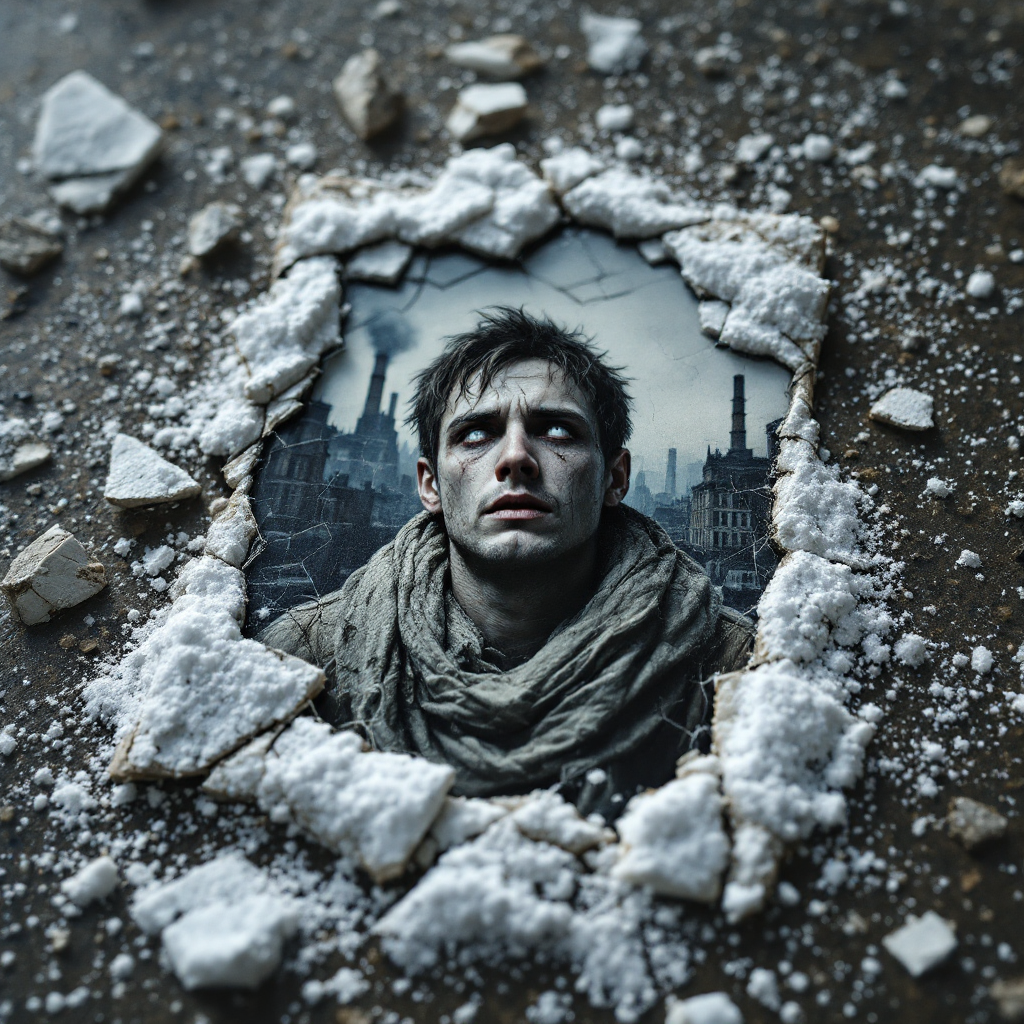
[258, 168]
[487, 110]
[501, 58]
[215, 224]
[369, 103]
[91, 142]
[905, 408]
[974, 823]
[710, 1008]
[25, 457]
[25, 248]
[380, 264]
[54, 572]
[614, 45]
[922, 943]
[140, 476]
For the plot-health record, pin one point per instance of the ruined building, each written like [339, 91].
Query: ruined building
[730, 510]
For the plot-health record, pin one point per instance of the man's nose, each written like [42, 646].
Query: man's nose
[516, 459]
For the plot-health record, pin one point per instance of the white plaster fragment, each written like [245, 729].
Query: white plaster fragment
[922, 943]
[710, 1008]
[614, 117]
[384, 263]
[369, 103]
[487, 110]
[25, 458]
[54, 572]
[981, 285]
[138, 476]
[614, 45]
[546, 817]
[712, 314]
[232, 531]
[906, 408]
[501, 58]
[258, 169]
[751, 148]
[95, 881]
[567, 169]
[215, 224]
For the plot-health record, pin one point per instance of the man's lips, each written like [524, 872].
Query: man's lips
[517, 506]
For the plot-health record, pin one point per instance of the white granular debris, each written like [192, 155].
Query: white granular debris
[936, 176]
[302, 155]
[95, 881]
[546, 817]
[672, 838]
[214, 224]
[462, 818]
[939, 488]
[981, 285]
[969, 559]
[258, 169]
[614, 45]
[500, 58]
[346, 985]
[751, 148]
[155, 560]
[894, 89]
[614, 118]
[981, 660]
[818, 148]
[628, 148]
[764, 987]
[567, 169]
[380, 264]
[139, 476]
[8, 744]
[911, 649]
[710, 1008]
[1015, 508]
[922, 943]
[904, 407]
[121, 966]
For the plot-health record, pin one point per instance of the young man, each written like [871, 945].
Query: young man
[528, 627]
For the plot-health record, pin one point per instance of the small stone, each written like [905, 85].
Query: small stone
[905, 408]
[612, 118]
[60, 939]
[282, 107]
[68, 641]
[936, 177]
[369, 103]
[380, 264]
[487, 110]
[711, 314]
[501, 58]
[654, 251]
[140, 476]
[92, 142]
[829, 224]
[751, 148]
[96, 881]
[894, 89]
[131, 304]
[922, 943]
[54, 572]
[258, 168]
[1009, 997]
[302, 155]
[976, 126]
[215, 224]
[28, 456]
[981, 285]
[26, 248]
[629, 148]
[974, 823]
[614, 45]
[89, 646]
[712, 61]
[1011, 178]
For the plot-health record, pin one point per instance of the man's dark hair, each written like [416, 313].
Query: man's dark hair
[505, 336]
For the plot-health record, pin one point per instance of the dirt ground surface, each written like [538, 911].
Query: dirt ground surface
[199, 69]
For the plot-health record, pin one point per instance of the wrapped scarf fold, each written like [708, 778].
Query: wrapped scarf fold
[409, 666]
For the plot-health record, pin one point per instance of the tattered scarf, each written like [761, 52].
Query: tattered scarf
[410, 667]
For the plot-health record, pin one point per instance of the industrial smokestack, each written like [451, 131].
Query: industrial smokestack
[393, 406]
[376, 391]
[670, 474]
[738, 436]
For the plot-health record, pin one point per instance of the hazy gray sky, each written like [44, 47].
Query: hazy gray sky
[646, 319]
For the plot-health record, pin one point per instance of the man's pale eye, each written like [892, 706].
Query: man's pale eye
[558, 431]
[475, 436]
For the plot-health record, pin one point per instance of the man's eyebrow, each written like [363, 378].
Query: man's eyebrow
[545, 412]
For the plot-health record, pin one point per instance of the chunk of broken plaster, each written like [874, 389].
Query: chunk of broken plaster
[672, 838]
[905, 408]
[712, 314]
[369, 104]
[371, 806]
[501, 58]
[26, 248]
[545, 817]
[487, 110]
[95, 881]
[567, 169]
[215, 224]
[140, 476]
[92, 140]
[974, 823]
[25, 457]
[1008, 994]
[710, 1008]
[235, 944]
[52, 573]
[614, 45]
[922, 943]
[232, 531]
[380, 264]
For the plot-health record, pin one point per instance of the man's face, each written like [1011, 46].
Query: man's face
[520, 475]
